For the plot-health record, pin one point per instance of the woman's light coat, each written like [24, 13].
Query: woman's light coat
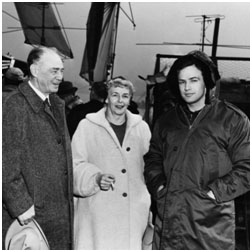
[113, 219]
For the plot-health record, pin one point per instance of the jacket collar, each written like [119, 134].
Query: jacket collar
[183, 114]
[100, 119]
[34, 100]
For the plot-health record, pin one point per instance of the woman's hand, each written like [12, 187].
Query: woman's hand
[105, 181]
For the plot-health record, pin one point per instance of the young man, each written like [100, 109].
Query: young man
[198, 161]
[112, 203]
[37, 163]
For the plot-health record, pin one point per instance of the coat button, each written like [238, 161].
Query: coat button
[123, 170]
[175, 148]
[128, 149]
[125, 194]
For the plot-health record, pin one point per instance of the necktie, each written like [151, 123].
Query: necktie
[47, 104]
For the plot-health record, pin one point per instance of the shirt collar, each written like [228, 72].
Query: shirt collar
[38, 92]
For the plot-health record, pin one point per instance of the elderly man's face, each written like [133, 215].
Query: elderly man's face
[49, 72]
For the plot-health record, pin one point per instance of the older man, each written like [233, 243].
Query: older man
[37, 162]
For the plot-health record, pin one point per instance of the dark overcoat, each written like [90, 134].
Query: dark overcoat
[37, 164]
[211, 154]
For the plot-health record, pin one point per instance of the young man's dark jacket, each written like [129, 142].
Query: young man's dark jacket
[37, 165]
[211, 154]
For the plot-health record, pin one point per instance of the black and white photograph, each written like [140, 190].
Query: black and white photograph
[125, 125]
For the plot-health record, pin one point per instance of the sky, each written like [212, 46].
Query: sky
[156, 22]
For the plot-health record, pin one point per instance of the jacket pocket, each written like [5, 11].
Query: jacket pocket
[207, 212]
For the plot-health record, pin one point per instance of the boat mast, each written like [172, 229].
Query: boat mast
[43, 25]
[114, 46]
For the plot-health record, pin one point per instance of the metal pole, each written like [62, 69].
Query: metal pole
[113, 56]
[215, 39]
[157, 65]
[203, 32]
[43, 25]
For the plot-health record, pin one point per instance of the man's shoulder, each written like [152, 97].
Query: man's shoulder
[13, 106]
[231, 107]
[14, 98]
[166, 120]
[167, 115]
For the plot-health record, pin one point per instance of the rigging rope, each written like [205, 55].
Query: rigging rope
[132, 15]
[196, 44]
[132, 21]
[11, 15]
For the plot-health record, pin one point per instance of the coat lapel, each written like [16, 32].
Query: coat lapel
[37, 105]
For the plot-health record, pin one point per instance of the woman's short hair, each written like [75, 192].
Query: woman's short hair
[120, 82]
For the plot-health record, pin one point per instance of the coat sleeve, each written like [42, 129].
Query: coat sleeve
[84, 173]
[153, 170]
[236, 182]
[146, 136]
[16, 197]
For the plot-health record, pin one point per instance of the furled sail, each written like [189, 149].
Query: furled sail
[41, 27]
[100, 41]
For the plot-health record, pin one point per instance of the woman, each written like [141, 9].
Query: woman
[112, 202]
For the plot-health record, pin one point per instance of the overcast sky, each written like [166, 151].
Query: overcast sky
[156, 22]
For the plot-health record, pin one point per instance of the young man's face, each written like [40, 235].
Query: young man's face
[192, 87]
[118, 100]
[49, 72]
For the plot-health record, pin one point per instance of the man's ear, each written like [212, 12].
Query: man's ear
[106, 101]
[34, 70]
